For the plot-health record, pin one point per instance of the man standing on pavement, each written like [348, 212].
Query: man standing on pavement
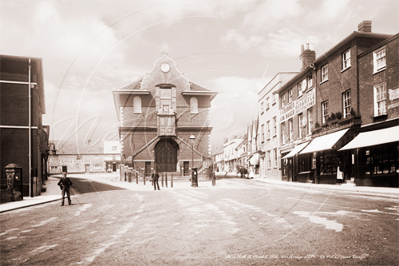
[155, 178]
[65, 183]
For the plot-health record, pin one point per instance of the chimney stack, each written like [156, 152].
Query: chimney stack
[364, 26]
[307, 56]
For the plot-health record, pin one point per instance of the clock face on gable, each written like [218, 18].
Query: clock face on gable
[165, 67]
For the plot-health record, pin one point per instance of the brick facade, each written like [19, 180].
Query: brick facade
[172, 109]
[348, 94]
[18, 75]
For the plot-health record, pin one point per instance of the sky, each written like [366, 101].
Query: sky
[233, 47]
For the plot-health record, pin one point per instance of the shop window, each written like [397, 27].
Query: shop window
[193, 105]
[381, 159]
[137, 105]
[379, 60]
[380, 100]
[305, 162]
[329, 162]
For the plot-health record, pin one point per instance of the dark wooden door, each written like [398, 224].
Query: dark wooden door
[166, 155]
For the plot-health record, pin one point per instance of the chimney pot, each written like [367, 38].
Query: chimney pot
[364, 26]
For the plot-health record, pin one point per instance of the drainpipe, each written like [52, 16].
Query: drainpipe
[30, 130]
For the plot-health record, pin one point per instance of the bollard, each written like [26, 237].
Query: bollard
[152, 181]
[166, 178]
[171, 181]
[144, 178]
[137, 178]
[162, 179]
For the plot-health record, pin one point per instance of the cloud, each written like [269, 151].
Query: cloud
[230, 110]
[284, 43]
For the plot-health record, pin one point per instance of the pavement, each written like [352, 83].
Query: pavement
[53, 192]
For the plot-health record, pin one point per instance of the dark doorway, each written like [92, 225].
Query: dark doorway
[64, 169]
[147, 169]
[114, 167]
[186, 165]
[166, 155]
[290, 169]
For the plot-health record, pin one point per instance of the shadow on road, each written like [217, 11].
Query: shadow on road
[82, 186]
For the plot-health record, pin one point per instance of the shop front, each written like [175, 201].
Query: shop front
[377, 157]
[293, 165]
[320, 162]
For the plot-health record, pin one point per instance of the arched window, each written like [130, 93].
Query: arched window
[137, 105]
[193, 105]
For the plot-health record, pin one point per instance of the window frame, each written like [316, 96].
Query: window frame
[274, 126]
[300, 89]
[300, 116]
[324, 111]
[346, 108]
[310, 120]
[268, 129]
[310, 81]
[290, 96]
[383, 99]
[275, 158]
[376, 58]
[324, 73]
[346, 59]
[291, 129]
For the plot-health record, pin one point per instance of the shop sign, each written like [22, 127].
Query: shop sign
[74, 161]
[298, 106]
[393, 94]
[394, 105]
[306, 101]
[287, 111]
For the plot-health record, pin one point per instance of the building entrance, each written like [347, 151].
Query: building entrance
[166, 155]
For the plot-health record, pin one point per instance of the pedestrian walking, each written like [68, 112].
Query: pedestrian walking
[213, 177]
[65, 184]
[155, 178]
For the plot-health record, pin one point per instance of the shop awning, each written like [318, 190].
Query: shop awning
[296, 150]
[254, 159]
[324, 142]
[372, 138]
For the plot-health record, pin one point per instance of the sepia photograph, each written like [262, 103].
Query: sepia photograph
[199, 132]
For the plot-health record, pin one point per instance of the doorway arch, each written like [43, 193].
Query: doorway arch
[166, 155]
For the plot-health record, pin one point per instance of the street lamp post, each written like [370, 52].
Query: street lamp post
[194, 182]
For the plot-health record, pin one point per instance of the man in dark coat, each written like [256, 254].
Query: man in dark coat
[65, 184]
[155, 178]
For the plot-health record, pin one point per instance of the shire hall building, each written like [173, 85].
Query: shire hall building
[164, 122]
